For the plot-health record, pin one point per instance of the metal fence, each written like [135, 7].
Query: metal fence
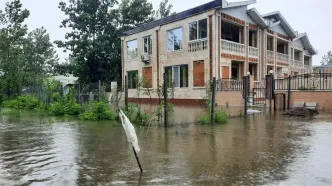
[312, 81]
[229, 85]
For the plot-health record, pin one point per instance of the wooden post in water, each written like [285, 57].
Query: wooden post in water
[137, 159]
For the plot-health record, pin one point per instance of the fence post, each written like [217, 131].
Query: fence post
[246, 90]
[289, 92]
[99, 84]
[213, 88]
[165, 102]
[271, 90]
[126, 92]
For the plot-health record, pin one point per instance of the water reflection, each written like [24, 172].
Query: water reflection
[257, 150]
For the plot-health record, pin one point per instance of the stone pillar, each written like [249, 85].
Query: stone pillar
[246, 43]
[275, 47]
[114, 89]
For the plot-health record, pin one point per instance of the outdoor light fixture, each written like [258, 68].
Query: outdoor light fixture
[248, 74]
[271, 71]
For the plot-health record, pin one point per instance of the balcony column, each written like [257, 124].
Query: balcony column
[302, 59]
[259, 66]
[289, 57]
[246, 44]
[275, 46]
[264, 50]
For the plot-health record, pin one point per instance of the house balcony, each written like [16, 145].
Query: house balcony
[282, 59]
[234, 48]
[297, 63]
[253, 52]
[270, 57]
[197, 45]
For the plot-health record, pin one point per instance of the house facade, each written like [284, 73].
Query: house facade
[218, 39]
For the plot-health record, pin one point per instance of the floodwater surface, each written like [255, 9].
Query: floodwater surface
[258, 150]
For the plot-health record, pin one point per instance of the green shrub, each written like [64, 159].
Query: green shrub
[22, 102]
[220, 117]
[63, 107]
[205, 119]
[136, 115]
[98, 111]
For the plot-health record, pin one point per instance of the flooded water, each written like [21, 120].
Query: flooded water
[259, 150]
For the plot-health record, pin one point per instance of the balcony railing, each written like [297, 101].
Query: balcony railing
[233, 47]
[270, 55]
[282, 57]
[297, 63]
[253, 52]
[198, 45]
[307, 67]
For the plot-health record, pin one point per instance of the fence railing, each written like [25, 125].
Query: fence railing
[233, 47]
[282, 57]
[311, 81]
[297, 63]
[229, 85]
[194, 46]
[253, 51]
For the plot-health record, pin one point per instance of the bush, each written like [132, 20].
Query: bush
[98, 111]
[62, 108]
[205, 119]
[136, 115]
[220, 117]
[22, 102]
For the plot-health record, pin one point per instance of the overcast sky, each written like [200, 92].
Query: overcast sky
[311, 16]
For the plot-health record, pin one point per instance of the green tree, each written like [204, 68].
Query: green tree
[327, 59]
[93, 40]
[39, 57]
[96, 26]
[133, 13]
[164, 10]
[11, 40]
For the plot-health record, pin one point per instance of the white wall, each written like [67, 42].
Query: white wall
[298, 43]
[278, 28]
[239, 12]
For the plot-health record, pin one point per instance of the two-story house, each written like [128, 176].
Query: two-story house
[218, 39]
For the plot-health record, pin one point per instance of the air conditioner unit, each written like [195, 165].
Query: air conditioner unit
[145, 58]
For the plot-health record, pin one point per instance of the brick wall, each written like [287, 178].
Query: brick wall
[147, 74]
[198, 74]
[322, 98]
[229, 98]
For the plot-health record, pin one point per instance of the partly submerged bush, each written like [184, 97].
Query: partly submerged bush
[136, 115]
[220, 117]
[62, 108]
[98, 110]
[22, 102]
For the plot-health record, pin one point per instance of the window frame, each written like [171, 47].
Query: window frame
[181, 46]
[149, 52]
[197, 34]
[130, 84]
[179, 76]
[129, 57]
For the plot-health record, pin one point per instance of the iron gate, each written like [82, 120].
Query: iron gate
[259, 96]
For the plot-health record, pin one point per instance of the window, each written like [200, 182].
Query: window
[147, 45]
[177, 76]
[132, 79]
[174, 39]
[198, 30]
[132, 49]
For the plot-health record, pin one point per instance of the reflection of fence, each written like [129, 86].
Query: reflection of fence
[229, 85]
[312, 81]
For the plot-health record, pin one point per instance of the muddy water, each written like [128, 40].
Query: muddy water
[260, 150]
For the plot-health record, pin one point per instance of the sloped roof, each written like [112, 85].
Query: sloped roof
[284, 24]
[306, 43]
[228, 4]
[323, 66]
[257, 17]
[179, 16]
